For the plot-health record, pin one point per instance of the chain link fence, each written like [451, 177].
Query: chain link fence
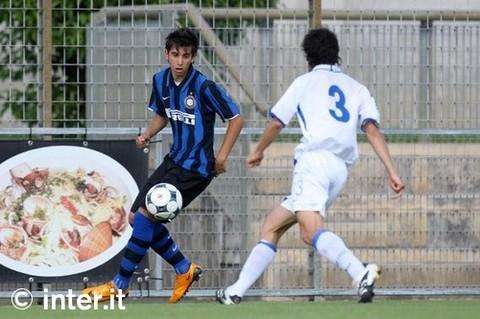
[427, 241]
[422, 67]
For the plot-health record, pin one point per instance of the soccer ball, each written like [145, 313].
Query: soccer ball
[164, 202]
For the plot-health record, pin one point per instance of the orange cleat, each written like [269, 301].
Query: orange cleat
[184, 281]
[104, 291]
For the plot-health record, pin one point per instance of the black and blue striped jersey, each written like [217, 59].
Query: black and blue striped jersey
[191, 107]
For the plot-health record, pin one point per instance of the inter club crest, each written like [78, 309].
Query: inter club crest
[190, 101]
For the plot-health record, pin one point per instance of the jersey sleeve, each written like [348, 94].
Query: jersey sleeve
[220, 102]
[368, 112]
[155, 103]
[286, 107]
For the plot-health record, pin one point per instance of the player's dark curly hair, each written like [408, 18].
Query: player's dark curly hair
[321, 47]
[183, 37]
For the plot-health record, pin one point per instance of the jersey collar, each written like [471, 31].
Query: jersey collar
[327, 67]
[187, 78]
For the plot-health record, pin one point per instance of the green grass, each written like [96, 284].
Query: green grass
[380, 309]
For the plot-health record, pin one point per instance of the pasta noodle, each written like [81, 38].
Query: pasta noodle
[56, 217]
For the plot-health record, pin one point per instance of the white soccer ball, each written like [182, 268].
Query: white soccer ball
[164, 202]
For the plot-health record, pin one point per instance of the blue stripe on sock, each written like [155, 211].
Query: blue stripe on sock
[269, 245]
[170, 251]
[127, 264]
[159, 244]
[317, 234]
[121, 282]
[143, 229]
[136, 249]
[182, 266]
[160, 236]
[160, 232]
[168, 254]
[164, 249]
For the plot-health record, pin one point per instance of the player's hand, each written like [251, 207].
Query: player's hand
[396, 183]
[142, 141]
[220, 166]
[254, 159]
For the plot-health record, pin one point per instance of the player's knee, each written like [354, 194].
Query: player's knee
[271, 233]
[268, 232]
[306, 235]
[131, 217]
[307, 239]
[144, 212]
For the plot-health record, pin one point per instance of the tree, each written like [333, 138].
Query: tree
[20, 58]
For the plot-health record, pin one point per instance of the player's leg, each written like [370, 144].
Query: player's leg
[186, 271]
[332, 247]
[278, 221]
[328, 244]
[164, 245]
[136, 248]
[142, 233]
[190, 185]
[143, 230]
[321, 178]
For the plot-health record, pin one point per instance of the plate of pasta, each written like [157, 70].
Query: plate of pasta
[63, 210]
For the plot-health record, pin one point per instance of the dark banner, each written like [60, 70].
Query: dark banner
[64, 207]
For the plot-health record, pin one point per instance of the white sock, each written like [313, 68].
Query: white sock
[333, 248]
[258, 260]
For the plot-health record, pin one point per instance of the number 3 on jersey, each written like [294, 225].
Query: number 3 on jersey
[340, 104]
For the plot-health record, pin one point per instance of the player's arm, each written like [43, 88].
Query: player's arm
[233, 130]
[157, 124]
[376, 139]
[221, 103]
[271, 132]
[280, 114]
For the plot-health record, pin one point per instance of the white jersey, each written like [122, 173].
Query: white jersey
[329, 105]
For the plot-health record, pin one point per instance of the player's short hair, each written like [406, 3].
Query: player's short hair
[321, 47]
[182, 38]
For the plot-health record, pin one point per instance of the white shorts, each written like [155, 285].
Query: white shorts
[318, 178]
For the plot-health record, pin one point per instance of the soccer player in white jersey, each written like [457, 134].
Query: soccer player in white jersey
[330, 106]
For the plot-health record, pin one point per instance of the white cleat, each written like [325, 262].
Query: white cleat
[223, 298]
[367, 283]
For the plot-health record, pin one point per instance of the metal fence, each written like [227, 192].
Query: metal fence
[427, 240]
[422, 68]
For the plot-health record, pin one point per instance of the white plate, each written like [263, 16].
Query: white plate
[72, 158]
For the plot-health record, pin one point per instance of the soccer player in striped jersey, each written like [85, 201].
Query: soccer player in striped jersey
[189, 101]
[330, 106]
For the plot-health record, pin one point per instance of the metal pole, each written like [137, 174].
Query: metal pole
[316, 22]
[196, 17]
[160, 149]
[47, 62]
[425, 73]
[262, 13]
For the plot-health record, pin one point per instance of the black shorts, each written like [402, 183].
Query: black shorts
[190, 184]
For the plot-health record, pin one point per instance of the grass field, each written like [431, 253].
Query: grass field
[381, 309]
